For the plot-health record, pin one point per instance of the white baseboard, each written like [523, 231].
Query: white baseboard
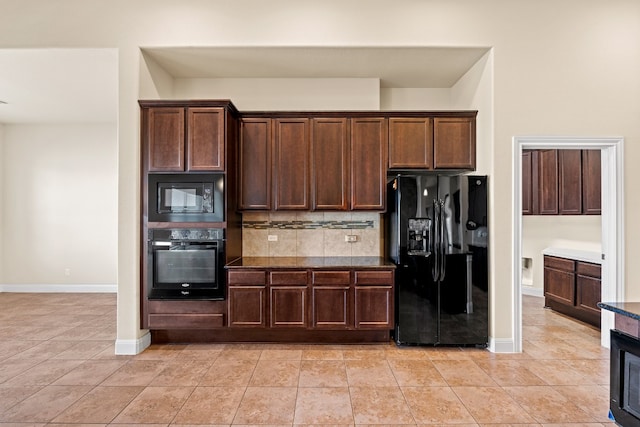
[129, 347]
[534, 292]
[505, 345]
[43, 288]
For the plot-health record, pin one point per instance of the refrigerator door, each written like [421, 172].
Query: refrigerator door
[410, 197]
[416, 303]
[462, 289]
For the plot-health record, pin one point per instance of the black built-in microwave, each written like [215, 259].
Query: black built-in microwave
[186, 197]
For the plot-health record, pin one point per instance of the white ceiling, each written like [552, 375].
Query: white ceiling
[81, 85]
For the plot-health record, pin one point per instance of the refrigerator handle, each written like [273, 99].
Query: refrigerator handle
[435, 266]
[443, 244]
[436, 259]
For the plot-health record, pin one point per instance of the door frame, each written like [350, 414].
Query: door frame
[612, 220]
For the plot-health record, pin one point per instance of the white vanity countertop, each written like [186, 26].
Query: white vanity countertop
[576, 254]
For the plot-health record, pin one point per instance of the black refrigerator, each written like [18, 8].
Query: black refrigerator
[437, 236]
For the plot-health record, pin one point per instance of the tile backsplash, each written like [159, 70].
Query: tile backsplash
[310, 234]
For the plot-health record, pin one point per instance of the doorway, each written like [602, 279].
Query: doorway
[611, 219]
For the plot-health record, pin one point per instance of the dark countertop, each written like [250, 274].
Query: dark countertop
[310, 262]
[629, 309]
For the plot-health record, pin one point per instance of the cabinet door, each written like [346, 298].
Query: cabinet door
[368, 163]
[591, 182]
[291, 164]
[254, 189]
[569, 182]
[548, 182]
[527, 193]
[247, 298]
[205, 139]
[410, 143]
[330, 300]
[588, 294]
[288, 299]
[288, 306]
[165, 130]
[454, 143]
[247, 306]
[373, 307]
[559, 280]
[588, 288]
[330, 164]
[373, 295]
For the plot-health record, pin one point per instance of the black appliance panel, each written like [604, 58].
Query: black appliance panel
[186, 197]
[624, 391]
[186, 264]
[441, 298]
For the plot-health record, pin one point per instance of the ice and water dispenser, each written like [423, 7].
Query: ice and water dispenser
[419, 236]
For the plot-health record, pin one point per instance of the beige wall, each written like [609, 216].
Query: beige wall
[581, 232]
[560, 67]
[2, 174]
[59, 205]
[285, 94]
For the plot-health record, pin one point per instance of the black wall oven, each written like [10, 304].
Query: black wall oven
[624, 387]
[186, 263]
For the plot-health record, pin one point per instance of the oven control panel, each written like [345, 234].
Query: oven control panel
[187, 234]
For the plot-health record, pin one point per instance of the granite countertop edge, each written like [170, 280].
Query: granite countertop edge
[310, 262]
[575, 254]
[628, 309]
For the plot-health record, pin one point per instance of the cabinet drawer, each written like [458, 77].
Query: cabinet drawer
[588, 269]
[373, 277]
[559, 263]
[186, 321]
[288, 277]
[247, 277]
[330, 277]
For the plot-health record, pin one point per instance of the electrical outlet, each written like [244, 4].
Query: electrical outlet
[351, 238]
[67, 272]
[272, 238]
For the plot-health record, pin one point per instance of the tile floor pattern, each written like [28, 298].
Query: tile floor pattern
[57, 367]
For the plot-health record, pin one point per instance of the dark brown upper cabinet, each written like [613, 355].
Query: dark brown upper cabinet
[454, 143]
[205, 139]
[174, 147]
[591, 182]
[528, 180]
[368, 163]
[330, 164]
[254, 157]
[561, 182]
[548, 182]
[165, 139]
[410, 143]
[433, 141]
[291, 164]
[569, 182]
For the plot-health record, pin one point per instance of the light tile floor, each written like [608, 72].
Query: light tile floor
[57, 366]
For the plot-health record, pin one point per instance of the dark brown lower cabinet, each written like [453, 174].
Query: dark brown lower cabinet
[311, 299]
[288, 299]
[247, 299]
[185, 314]
[573, 288]
[331, 305]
